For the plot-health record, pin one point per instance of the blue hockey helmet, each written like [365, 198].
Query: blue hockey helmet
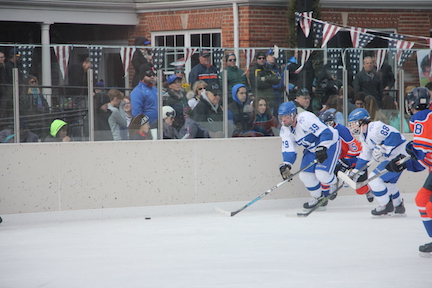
[328, 117]
[287, 109]
[356, 118]
[418, 99]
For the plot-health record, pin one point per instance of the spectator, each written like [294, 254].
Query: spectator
[371, 105]
[351, 95]
[391, 111]
[302, 100]
[194, 96]
[102, 129]
[177, 100]
[208, 113]
[115, 120]
[77, 77]
[359, 100]
[33, 102]
[7, 135]
[279, 88]
[328, 81]
[262, 79]
[139, 128]
[144, 97]
[179, 71]
[13, 62]
[140, 57]
[334, 104]
[385, 74]
[235, 75]
[126, 112]
[240, 97]
[244, 126]
[58, 132]
[368, 81]
[263, 120]
[204, 70]
[3, 81]
[169, 116]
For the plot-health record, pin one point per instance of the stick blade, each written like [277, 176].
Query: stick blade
[345, 178]
[223, 212]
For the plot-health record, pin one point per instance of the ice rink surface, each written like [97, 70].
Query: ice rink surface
[259, 247]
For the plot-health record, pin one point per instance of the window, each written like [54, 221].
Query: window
[175, 41]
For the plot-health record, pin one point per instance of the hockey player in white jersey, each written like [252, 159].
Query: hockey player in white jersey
[382, 143]
[320, 141]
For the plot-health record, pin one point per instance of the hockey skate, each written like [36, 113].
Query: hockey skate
[312, 203]
[370, 196]
[333, 187]
[426, 250]
[400, 210]
[383, 210]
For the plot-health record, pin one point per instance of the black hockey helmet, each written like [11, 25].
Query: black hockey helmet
[418, 98]
[328, 117]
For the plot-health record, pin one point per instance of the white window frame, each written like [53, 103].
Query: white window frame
[187, 38]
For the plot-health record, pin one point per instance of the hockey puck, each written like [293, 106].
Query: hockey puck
[147, 218]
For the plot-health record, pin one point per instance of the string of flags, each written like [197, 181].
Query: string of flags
[324, 31]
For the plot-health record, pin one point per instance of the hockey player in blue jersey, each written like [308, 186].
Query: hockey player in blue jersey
[320, 142]
[382, 143]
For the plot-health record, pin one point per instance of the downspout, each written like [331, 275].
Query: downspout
[236, 31]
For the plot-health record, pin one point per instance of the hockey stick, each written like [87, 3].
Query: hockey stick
[217, 209]
[320, 203]
[348, 180]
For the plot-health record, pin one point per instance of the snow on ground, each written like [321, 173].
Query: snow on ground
[259, 247]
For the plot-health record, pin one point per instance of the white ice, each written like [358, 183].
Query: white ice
[259, 247]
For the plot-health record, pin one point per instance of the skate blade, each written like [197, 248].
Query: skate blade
[391, 214]
[318, 209]
[425, 255]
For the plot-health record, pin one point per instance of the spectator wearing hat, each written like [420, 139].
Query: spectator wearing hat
[139, 128]
[2, 81]
[235, 75]
[140, 57]
[240, 97]
[58, 132]
[280, 87]
[204, 70]
[302, 100]
[144, 97]
[262, 79]
[177, 100]
[208, 112]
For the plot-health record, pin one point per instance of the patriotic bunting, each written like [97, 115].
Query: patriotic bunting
[354, 59]
[95, 55]
[158, 57]
[249, 55]
[324, 32]
[305, 21]
[304, 57]
[359, 37]
[380, 55]
[218, 54]
[26, 58]
[62, 54]
[400, 48]
[126, 54]
[188, 52]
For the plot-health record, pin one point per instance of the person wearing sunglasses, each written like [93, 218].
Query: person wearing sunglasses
[194, 96]
[144, 97]
[235, 75]
[262, 79]
[208, 112]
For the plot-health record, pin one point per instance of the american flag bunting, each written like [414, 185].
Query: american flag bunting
[62, 54]
[218, 54]
[305, 21]
[400, 49]
[26, 58]
[305, 53]
[95, 55]
[126, 54]
[359, 37]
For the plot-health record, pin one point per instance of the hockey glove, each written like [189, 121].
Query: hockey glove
[378, 153]
[355, 175]
[321, 154]
[285, 171]
[342, 165]
[393, 166]
[411, 151]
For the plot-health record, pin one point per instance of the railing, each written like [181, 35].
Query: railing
[32, 107]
